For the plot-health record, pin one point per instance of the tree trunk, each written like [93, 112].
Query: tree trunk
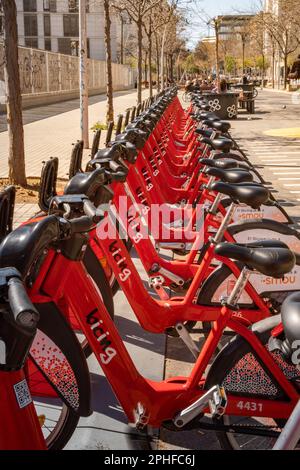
[273, 69]
[157, 65]
[285, 70]
[263, 72]
[162, 65]
[16, 156]
[217, 55]
[146, 66]
[150, 61]
[140, 61]
[109, 80]
[122, 40]
[171, 68]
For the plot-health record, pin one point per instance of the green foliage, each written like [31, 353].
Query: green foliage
[99, 126]
[230, 64]
[190, 64]
[262, 63]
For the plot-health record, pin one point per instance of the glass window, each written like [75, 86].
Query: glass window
[71, 25]
[73, 6]
[47, 25]
[29, 5]
[31, 42]
[30, 25]
[64, 45]
[48, 44]
[50, 5]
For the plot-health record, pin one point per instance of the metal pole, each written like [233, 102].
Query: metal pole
[84, 96]
[290, 435]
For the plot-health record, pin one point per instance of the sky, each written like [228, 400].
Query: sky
[214, 8]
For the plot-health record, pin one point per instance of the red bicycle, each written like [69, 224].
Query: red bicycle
[20, 425]
[268, 389]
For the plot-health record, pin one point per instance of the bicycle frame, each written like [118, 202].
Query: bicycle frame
[146, 402]
[20, 427]
[158, 316]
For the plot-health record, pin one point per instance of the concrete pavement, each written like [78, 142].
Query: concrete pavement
[49, 131]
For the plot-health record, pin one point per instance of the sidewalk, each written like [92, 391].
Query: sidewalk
[51, 135]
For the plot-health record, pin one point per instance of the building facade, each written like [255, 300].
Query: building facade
[53, 25]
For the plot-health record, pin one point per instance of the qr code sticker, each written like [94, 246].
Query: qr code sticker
[22, 394]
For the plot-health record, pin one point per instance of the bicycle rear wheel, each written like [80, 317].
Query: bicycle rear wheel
[240, 372]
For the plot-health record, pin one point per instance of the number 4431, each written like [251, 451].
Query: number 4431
[250, 406]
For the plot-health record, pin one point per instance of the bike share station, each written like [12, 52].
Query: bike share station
[89, 299]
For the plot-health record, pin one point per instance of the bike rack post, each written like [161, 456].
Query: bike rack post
[7, 206]
[96, 143]
[138, 109]
[76, 159]
[119, 124]
[110, 129]
[133, 113]
[127, 118]
[48, 183]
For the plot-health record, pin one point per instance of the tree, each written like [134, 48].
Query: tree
[190, 65]
[109, 78]
[230, 64]
[283, 27]
[138, 10]
[16, 156]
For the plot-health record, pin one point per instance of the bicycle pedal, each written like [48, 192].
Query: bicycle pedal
[141, 417]
[215, 399]
[156, 282]
[218, 403]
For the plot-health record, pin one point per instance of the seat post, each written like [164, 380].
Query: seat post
[239, 288]
[219, 236]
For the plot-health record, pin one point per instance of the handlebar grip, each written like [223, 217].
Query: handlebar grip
[24, 312]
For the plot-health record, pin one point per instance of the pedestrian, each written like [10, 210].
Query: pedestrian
[223, 86]
[295, 71]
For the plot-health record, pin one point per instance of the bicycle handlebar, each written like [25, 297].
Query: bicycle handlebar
[95, 215]
[23, 311]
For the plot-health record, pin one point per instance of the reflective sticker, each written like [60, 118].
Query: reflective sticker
[22, 394]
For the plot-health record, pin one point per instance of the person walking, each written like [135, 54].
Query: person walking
[295, 71]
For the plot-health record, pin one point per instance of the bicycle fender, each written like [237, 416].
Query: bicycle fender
[61, 364]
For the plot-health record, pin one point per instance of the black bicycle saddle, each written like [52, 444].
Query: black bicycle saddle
[269, 258]
[231, 176]
[253, 195]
